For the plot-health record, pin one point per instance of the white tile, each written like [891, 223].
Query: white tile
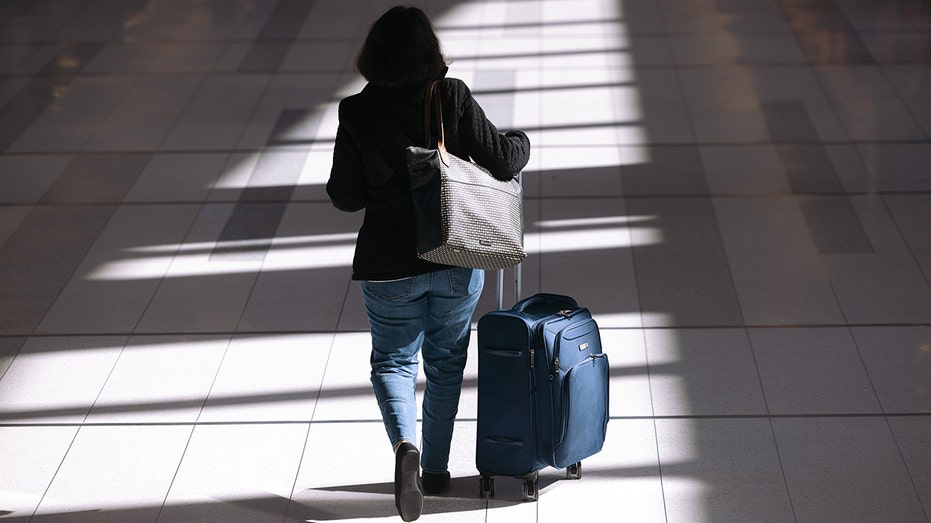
[56, 380]
[721, 470]
[115, 474]
[348, 474]
[346, 393]
[812, 371]
[630, 381]
[29, 458]
[845, 469]
[236, 473]
[784, 290]
[269, 378]
[774, 226]
[703, 372]
[620, 483]
[160, 379]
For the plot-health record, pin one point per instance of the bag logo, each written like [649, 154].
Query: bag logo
[583, 346]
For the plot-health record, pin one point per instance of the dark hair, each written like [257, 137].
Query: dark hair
[401, 49]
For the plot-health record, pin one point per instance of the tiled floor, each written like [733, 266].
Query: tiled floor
[740, 190]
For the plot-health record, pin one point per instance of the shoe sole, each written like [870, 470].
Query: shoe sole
[410, 498]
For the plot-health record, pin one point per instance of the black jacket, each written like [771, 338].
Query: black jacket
[370, 169]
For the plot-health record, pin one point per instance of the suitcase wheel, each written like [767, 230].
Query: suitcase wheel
[574, 471]
[486, 486]
[532, 488]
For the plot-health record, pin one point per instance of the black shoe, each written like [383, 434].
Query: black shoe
[435, 483]
[408, 497]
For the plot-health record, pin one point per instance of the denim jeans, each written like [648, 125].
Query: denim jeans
[430, 315]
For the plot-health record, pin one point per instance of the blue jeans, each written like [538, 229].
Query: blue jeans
[429, 314]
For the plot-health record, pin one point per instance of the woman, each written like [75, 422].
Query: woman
[414, 306]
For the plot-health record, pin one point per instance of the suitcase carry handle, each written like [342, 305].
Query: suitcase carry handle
[564, 302]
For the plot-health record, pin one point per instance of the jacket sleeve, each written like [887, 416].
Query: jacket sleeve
[346, 186]
[503, 154]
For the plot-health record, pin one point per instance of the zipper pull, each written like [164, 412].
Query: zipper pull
[556, 365]
[532, 356]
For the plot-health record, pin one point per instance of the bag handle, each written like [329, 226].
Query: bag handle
[433, 96]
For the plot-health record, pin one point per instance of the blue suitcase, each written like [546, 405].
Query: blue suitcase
[542, 391]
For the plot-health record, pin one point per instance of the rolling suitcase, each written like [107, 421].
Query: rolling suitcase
[542, 390]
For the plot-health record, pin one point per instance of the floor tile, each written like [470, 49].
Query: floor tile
[160, 379]
[620, 482]
[121, 272]
[26, 178]
[115, 474]
[629, 387]
[911, 438]
[721, 469]
[236, 473]
[57, 380]
[743, 170]
[880, 288]
[346, 393]
[812, 371]
[268, 378]
[845, 469]
[31, 457]
[897, 360]
[703, 373]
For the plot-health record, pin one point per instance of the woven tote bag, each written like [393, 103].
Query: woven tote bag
[465, 216]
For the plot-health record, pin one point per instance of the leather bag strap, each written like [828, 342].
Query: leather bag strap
[432, 96]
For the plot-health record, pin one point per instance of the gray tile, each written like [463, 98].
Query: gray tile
[734, 117]
[912, 214]
[10, 218]
[685, 290]
[145, 115]
[880, 288]
[880, 228]
[774, 226]
[22, 110]
[897, 167]
[748, 169]
[815, 371]
[703, 372]
[911, 437]
[177, 178]
[896, 359]
[845, 469]
[217, 113]
[662, 170]
[911, 82]
[37, 261]
[26, 178]
[871, 111]
[808, 168]
[788, 121]
[734, 461]
[96, 179]
[121, 272]
[834, 225]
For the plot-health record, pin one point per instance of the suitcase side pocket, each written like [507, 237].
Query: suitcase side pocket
[584, 413]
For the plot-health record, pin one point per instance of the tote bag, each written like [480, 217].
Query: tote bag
[465, 216]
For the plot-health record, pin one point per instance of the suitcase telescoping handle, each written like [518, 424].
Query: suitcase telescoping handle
[557, 301]
[517, 278]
